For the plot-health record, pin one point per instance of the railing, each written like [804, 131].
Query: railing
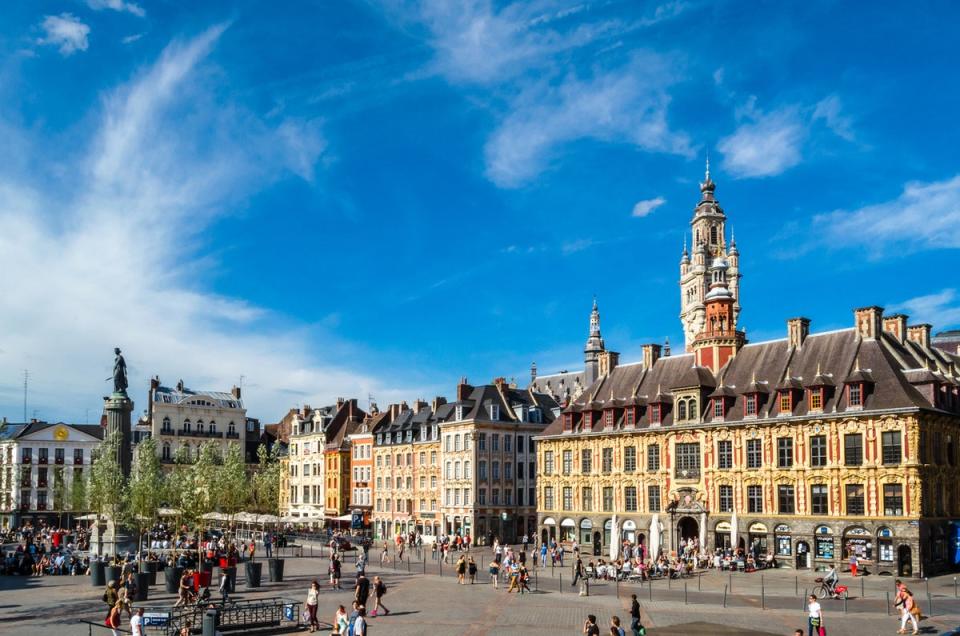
[58, 460]
[233, 435]
[26, 460]
[236, 616]
[42, 460]
[78, 461]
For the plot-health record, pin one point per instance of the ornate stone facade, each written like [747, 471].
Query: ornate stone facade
[811, 446]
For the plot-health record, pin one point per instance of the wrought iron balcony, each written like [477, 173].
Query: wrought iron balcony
[233, 435]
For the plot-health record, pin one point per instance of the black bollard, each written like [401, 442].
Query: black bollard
[684, 592]
[724, 595]
[888, 602]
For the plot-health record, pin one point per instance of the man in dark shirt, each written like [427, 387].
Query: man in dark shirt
[362, 591]
[635, 625]
[590, 626]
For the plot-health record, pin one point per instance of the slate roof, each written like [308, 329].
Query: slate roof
[898, 376]
[19, 431]
[560, 386]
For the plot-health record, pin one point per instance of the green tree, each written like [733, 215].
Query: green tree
[107, 483]
[59, 492]
[78, 491]
[266, 481]
[198, 487]
[147, 489]
[233, 484]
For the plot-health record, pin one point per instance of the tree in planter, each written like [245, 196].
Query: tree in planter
[146, 491]
[266, 482]
[232, 484]
[78, 491]
[198, 491]
[107, 484]
[60, 503]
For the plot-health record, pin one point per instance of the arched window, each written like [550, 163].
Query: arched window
[409, 459]
[456, 442]
[186, 425]
[166, 424]
[681, 409]
[713, 235]
[213, 426]
[456, 470]
[692, 409]
[466, 470]
[165, 454]
[449, 470]
[199, 426]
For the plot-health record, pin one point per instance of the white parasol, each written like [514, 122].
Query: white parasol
[614, 539]
[733, 531]
[654, 536]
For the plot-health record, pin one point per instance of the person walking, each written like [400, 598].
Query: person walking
[615, 628]
[268, 545]
[379, 590]
[362, 591]
[635, 626]
[360, 622]
[495, 574]
[461, 569]
[113, 618]
[472, 570]
[385, 554]
[543, 555]
[224, 586]
[854, 563]
[814, 616]
[908, 611]
[313, 599]
[340, 621]
[577, 571]
[335, 571]
[136, 623]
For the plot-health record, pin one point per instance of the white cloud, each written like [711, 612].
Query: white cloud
[924, 216]
[66, 32]
[829, 110]
[624, 105]
[643, 208]
[940, 309]
[115, 254]
[765, 144]
[130, 39]
[117, 5]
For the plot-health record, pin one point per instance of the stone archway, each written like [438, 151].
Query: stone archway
[688, 528]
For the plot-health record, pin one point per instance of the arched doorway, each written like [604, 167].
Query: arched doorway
[803, 555]
[905, 567]
[688, 529]
[597, 544]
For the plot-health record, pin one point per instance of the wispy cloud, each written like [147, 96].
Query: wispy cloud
[830, 110]
[643, 208]
[66, 32]
[166, 160]
[117, 5]
[941, 309]
[130, 39]
[924, 216]
[765, 144]
[622, 105]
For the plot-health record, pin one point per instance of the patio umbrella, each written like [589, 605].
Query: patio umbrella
[614, 539]
[654, 536]
[733, 531]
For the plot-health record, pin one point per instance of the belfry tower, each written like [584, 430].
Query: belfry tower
[593, 349]
[708, 233]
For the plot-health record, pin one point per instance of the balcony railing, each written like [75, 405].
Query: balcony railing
[233, 435]
[688, 473]
[41, 484]
[26, 460]
[78, 461]
[42, 460]
[41, 506]
[58, 460]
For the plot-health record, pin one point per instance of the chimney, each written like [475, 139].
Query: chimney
[608, 361]
[235, 392]
[533, 372]
[306, 411]
[463, 389]
[180, 385]
[651, 353]
[896, 326]
[666, 348]
[339, 403]
[920, 334]
[438, 402]
[404, 406]
[394, 411]
[419, 405]
[352, 408]
[797, 331]
[868, 322]
[155, 383]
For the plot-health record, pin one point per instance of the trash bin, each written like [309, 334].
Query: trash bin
[97, 575]
[143, 586]
[151, 567]
[201, 580]
[210, 620]
[254, 573]
[112, 573]
[275, 567]
[173, 575]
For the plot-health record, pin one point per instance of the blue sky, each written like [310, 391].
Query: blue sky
[377, 198]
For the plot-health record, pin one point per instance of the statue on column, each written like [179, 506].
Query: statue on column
[119, 373]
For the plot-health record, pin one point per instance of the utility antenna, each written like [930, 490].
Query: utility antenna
[370, 401]
[26, 384]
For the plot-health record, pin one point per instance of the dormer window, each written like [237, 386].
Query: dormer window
[630, 416]
[568, 421]
[587, 421]
[655, 413]
[750, 408]
[687, 410]
[495, 412]
[459, 413]
[719, 408]
[608, 418]
[816, 399]
[786, 402]
[855, 394]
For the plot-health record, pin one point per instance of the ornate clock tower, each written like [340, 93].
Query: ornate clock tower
[708, 232]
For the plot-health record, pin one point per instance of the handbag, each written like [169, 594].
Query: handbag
[823, 631]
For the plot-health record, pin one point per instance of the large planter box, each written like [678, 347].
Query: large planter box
[254, 573]
[112, 573]
[143, 586]
[97, 575]
[275, 567]
[173, 579]
[151, 567]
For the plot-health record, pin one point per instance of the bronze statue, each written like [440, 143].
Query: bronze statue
[119, 373]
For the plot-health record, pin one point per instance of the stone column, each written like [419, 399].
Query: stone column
[118, 408]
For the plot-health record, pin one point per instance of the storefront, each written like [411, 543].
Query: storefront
[823, 543]
[568, 530]
[721, 535]
[629, 532]
[858, 540]
[586, 532]
[549, 532]
[607, 529]
[885, 551]
[783, 540]
[757, 533]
